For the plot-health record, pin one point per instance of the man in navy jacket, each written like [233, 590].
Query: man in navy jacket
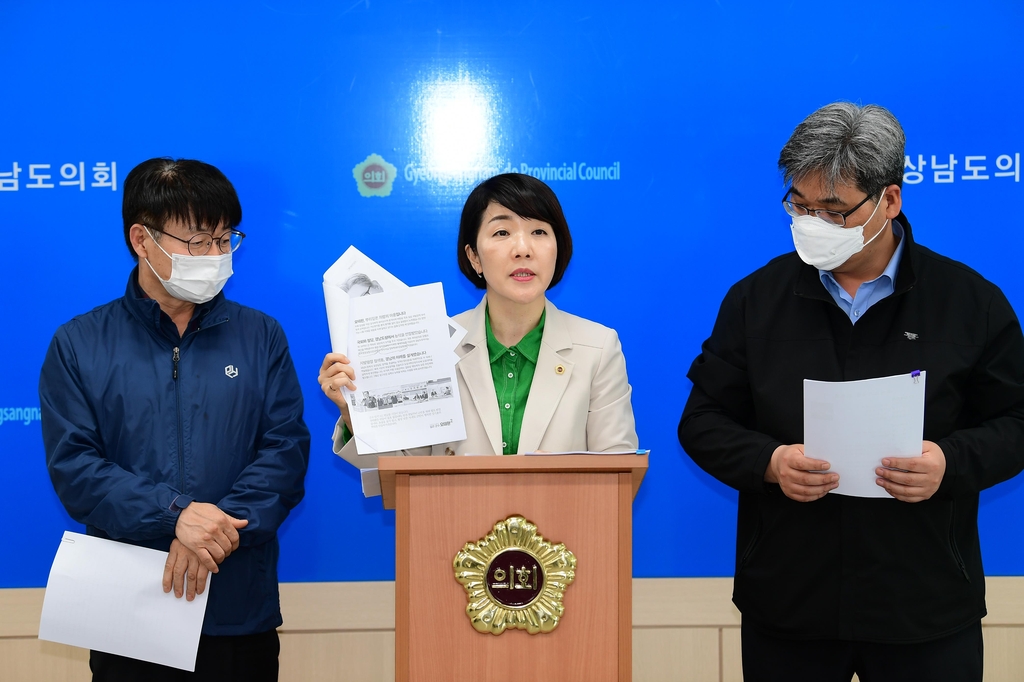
[172, 419]
[891, 588]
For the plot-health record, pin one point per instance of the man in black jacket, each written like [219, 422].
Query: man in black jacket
[829, 585]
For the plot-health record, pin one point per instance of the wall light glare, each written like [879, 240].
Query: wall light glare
[455, 126]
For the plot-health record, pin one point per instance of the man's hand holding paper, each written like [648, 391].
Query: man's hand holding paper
[125, 611]
[184, 572]
[857, 425]
[913, 479]
[801, 478]
[908, 479]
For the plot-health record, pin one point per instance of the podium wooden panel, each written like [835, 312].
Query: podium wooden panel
[441, 503]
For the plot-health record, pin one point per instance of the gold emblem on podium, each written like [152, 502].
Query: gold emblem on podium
[514, 578]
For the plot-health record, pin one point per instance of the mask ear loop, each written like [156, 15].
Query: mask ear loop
[153, 237]
[880, 231]
[165, 281]
[882, 228]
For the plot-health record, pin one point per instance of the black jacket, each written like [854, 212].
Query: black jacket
[843, 567]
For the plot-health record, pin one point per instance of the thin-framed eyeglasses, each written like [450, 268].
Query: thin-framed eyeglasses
[200, 243]
[834, 217]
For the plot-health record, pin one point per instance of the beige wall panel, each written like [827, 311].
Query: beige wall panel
[691, 602]
[332, 656]
[697, 602]
[29, 660]
[1004, 597]
[732, 657]
[664, 654]
[1004, 653]
[338, 606]
[19, 612]
[345, 631]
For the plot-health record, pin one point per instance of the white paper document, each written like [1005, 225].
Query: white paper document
[854, 424]
[108, 596]
[623, 452]
[400, 346]
[353, 276]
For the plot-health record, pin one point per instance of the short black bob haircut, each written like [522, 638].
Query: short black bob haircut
[527, 197]
[192, 192]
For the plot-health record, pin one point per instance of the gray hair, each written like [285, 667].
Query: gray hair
[846, 144]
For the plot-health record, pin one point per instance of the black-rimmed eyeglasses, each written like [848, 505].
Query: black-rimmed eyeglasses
[834, 217]
[200, 243]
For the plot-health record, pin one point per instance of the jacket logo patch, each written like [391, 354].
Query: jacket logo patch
[231, 371]
[910, 336]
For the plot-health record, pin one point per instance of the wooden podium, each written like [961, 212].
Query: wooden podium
[441, 503]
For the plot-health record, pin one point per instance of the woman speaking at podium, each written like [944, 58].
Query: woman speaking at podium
[531, 377]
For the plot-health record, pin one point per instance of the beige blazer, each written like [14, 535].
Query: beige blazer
[579, 399]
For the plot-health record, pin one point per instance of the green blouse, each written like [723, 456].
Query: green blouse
[512, 370]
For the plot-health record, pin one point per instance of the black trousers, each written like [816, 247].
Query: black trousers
[220, 659]
[956, 658]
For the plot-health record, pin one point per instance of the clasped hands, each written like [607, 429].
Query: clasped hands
[908, 479]
[204, 537]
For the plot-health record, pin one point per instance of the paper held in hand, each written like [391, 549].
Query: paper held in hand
[355, 275]
[587, 452]
[108, 596]
[852, 425]
[401, 343]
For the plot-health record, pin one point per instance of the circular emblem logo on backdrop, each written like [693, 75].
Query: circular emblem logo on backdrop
[514, 578]
[374, 176]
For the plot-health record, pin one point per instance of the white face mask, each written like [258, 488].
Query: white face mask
[827, 246]
[196, 279]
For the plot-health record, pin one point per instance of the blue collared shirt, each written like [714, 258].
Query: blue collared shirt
[868, 293]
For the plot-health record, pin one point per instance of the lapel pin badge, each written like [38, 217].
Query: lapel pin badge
[559, 369]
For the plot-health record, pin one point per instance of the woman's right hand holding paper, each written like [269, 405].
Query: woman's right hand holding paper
[335, 374]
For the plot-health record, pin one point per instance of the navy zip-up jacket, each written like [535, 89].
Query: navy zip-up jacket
[134, 415]
[851, 568]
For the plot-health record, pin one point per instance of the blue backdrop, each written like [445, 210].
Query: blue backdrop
[687, 103]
